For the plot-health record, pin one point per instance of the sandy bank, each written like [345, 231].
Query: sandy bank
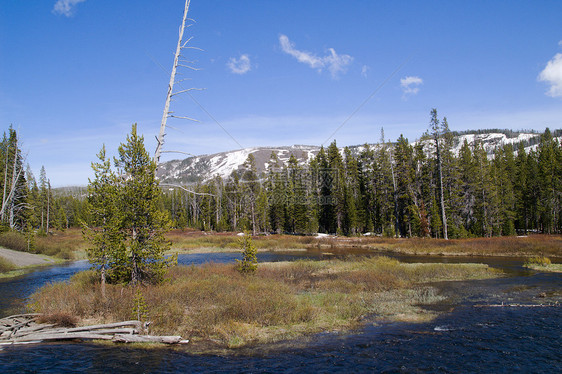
[21, 259]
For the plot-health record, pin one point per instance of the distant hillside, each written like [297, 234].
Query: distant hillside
[205, 167]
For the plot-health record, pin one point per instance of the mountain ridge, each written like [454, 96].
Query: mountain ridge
[202, 168]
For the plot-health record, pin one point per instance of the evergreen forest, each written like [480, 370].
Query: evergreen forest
[393, 189]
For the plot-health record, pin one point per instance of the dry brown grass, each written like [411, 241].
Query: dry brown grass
[6, 266]
[59, 319]
[532, 245]
[68, 244]
[281, 300]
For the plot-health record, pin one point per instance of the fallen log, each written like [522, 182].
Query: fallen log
[61, 336]
[514, 305]
[127, 330]
[134, 323]
[23, 329]
[26, 315]
[119, 338]
[31, 329]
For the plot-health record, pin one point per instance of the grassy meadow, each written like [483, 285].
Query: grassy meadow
[70, 245]
[64, 245]
[532, 245]
[215, 304]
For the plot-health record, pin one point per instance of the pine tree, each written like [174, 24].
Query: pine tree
[337, 193]
[251, 190]
[327, 180]
[520, 187]
[385, 187]
[14, 185]
[276, 194]
[437, 130]
[107, 251]
[549, 182]
[367, 208]
[143, 222]
[351, 194]
[249, 263]
[404, 175]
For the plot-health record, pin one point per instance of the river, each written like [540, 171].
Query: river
[466, 338]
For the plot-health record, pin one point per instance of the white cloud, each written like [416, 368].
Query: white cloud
[239, 66]
[66, 7]
[552, 74]
[364, 70]
[335, 63]
[410, 85]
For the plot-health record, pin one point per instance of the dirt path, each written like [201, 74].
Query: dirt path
[21, 259]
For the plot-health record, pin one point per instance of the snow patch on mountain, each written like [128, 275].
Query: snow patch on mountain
[200, 169]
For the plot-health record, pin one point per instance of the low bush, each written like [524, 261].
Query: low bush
[59, 319]
[6, 266]
[538, 261]
[14, 240]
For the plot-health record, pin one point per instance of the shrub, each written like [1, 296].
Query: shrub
[14, 240]
[140, 309]
[538, 260]
[5, 265]
[59, 319]
[249, 262]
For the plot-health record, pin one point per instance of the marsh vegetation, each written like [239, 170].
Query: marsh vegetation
[216, 303]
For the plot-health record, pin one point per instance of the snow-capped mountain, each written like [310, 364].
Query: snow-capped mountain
[199, 169]
[205, 167]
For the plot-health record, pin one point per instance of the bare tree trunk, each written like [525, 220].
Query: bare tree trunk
[5, 184]
[165, 115]
[8, 200]
[135, 271]
[102, 285]
[15, 176]
[48, 203]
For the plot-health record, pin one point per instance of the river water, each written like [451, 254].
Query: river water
[466, 338]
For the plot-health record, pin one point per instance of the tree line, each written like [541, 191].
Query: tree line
[390, 189]
[27, 205]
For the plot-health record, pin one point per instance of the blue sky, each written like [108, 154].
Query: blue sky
[75, 74]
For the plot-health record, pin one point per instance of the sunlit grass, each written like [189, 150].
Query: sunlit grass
[69, 244]
[281, 300]
[547, 245]
[66, 245]
[542, 263]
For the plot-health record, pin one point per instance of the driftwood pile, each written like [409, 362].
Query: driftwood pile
[24, 329]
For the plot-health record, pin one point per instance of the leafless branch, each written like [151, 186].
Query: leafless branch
[186, 190]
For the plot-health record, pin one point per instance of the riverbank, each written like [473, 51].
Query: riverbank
[217, 307]
[192, 241]
[69, 244]
[15, 263]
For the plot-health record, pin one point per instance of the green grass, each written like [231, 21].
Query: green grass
[214, 302]
[542, 263]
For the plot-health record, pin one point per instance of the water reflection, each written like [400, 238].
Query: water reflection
[466, 339]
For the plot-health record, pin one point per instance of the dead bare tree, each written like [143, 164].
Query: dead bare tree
[13, 194]
[178, 62]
